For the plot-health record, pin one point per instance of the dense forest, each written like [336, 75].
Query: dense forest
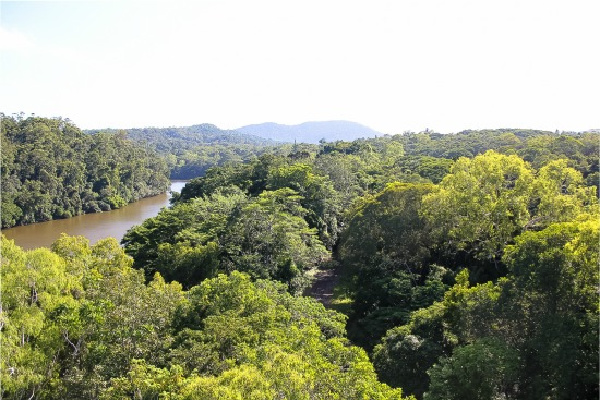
[80, 323]
[191, 150]
[466, 267]
[51, 169]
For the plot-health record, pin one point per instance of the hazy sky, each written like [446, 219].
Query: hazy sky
[392, 65]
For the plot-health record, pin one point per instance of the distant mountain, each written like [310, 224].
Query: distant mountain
[310, 132]
[173, 140]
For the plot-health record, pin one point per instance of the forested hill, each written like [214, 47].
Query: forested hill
[190, 150]
[51, 169]
[173, 139]
[310, 132]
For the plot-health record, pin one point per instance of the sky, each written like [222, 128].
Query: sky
[395, 66]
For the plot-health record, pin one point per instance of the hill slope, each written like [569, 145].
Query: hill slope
[174, 139]
[310, 132]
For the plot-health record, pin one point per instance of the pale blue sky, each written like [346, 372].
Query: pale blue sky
[393, 65]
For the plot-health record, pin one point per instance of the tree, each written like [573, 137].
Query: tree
[183, 242]
[555, 308]
[388, 225]
[533, 333]
[270, 239]
[486, 369]
[487, 201]
[560, 194]
[481, 205]
[38, 307]
[318, 197]
[385, 250]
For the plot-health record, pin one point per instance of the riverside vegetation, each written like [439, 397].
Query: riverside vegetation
[468, 263]
[51, 169]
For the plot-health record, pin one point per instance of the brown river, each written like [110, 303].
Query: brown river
[93, 226]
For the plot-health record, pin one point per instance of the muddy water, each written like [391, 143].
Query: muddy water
[93, 226]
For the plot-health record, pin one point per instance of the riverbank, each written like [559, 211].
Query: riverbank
[114, 223]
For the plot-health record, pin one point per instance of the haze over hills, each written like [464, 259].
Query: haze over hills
[310, 132]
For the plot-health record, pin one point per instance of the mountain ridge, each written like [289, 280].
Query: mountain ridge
[310, 131]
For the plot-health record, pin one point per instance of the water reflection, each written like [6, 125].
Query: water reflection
[93, 226]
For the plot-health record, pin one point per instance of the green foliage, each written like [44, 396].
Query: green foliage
[485, 369]
[50, 169]
[191, 150]
[270, 239]
[385, 248]
[508, 217]
[116, 201]
[556, 303]
[532, 334]
[257, 341]
[35, 287]
[402, 243]
[75, 317]
[430, 168]
[561, 194]
[79, 322]
[265, 236]
[481, 204]
[484, 202]
[251, 177]
[388, 225]
[407, 352]
[182, 242]
[317, 195]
